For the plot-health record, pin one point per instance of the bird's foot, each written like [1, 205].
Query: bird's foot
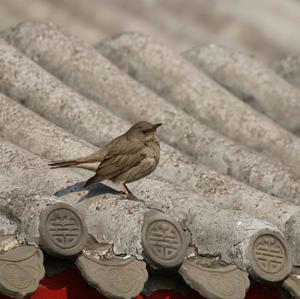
[130, 196]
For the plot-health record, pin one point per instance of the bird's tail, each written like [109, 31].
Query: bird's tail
[96, 157]
[59, 164]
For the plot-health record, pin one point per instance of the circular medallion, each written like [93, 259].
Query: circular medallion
[62, 230]
[164, 241]
[269, 257]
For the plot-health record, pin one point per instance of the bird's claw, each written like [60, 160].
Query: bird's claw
[130, 196]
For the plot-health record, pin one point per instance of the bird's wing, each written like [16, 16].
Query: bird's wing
[120, 157]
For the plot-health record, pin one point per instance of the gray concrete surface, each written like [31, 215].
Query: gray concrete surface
[67, 186]
[148, 189]
[161, 69]
[289, 69]
[29, 130]
[200, 218]
[251, 81]
[208, 146]
[248, 26]
[42, 10]
[24, 207]
[181, 24]
[39, 229]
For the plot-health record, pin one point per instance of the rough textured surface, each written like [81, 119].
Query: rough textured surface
[289, 69]
[235, 24]
[121, 220]
[112, 88]
[60, 242]
[24, 207]
[154, 184]
[12, 160]
[37, 89]
[249, 25]
[258, 209]
[233, 201]
[35, 136]
[246, 25]
[100, 212]
[7, 232]
[253, 82]
[23, 127]
[41, 10]
[40, 220]
[169, 75]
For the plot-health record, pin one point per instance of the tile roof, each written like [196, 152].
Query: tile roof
[224, 201]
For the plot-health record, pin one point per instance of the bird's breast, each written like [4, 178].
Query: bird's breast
[152, 151]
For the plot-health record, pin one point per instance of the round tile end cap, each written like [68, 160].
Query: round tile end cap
[269, 257]
[164, 241]
[63, 232]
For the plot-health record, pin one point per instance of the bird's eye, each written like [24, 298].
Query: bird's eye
[145, 131]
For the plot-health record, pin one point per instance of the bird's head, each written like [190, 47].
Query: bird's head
[143, 130]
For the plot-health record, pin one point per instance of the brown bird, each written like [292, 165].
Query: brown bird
[128, 158]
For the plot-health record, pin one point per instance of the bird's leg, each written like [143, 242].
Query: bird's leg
[128, 193]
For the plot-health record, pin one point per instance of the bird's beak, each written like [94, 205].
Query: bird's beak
[156, 126]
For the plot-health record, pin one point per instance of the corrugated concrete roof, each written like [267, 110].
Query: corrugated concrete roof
[224, 201]
[268, 29]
